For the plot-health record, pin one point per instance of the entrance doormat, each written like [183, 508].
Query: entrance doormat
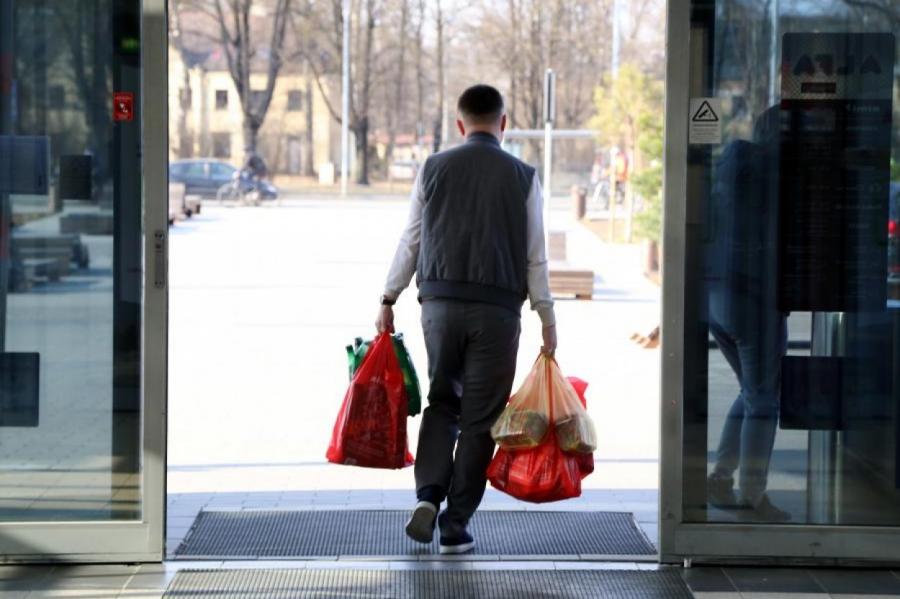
[252, 534]
[431, 584]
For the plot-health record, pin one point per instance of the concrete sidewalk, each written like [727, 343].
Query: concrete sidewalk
[263, 301]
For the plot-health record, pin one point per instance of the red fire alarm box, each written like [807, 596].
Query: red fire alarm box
[123, 106]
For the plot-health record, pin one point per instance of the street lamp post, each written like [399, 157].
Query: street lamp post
[616, 36]
[549, 115]
[345, 100]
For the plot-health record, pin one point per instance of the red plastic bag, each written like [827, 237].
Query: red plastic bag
[541, 474]
[545, 472]
[370, 430]
[585, 460]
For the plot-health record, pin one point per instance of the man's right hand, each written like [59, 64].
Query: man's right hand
[385, 321]
[549, 347]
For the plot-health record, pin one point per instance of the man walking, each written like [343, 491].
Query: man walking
[475, 240]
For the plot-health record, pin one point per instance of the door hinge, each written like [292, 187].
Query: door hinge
[160, 265]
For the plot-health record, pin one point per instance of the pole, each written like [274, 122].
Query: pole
[549, 115]
[774, 59]
[345, 101]
[616, 36]
[613, 197]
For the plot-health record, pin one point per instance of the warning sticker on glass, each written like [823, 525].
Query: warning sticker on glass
[705, 125]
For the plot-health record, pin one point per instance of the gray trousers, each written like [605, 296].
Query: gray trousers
[472, 350]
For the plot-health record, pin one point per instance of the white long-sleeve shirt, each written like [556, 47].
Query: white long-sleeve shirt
[404, 265]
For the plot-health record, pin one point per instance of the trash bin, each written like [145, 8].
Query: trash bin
[579, 201]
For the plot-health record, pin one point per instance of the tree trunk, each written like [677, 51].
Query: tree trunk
[251, 136]
[511, 110]
[362, 117]
[439, 119]
[420, 80]
[186, 140]
[309, 168]
[397, 104]
[361, 132]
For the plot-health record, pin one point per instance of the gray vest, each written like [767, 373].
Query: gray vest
[474, 225]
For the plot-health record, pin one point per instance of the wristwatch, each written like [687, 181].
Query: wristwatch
[387, 301]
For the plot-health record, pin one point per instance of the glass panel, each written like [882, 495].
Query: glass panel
[70, 260]
[792, 385]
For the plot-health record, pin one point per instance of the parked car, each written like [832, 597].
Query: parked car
[403, 170]
[205, 176]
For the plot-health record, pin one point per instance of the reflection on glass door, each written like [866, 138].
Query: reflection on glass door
[791, 373]
[71, 274]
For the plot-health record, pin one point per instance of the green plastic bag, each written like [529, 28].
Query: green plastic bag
[356, 353]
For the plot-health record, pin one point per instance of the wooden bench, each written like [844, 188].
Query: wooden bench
[66, 248]
[566, 280]
[42, 268]
[26, 271]
[87, 223]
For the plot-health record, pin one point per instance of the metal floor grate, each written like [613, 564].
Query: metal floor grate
[348, 533]
[421, 584]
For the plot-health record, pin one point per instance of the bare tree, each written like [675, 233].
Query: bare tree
[396, 103]
[420, 70]
[437, 129]
[251, 34]
[308, 161]
[177, 39]
[886, 8]
[82, 26]
[323, 49]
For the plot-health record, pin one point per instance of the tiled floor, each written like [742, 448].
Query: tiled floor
[793, 583]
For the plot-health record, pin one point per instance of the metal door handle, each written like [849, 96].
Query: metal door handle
[159, 259]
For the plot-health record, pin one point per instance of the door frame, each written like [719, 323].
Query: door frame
[141, 540]
[716, 542]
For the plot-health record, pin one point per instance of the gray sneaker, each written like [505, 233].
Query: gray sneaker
[765, 512]
[420, 527]
[720, 492]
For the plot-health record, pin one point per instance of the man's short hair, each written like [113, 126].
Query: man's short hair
[480, 105]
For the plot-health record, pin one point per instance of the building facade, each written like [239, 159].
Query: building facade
[299, 134]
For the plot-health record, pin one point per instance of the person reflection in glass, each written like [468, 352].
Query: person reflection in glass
[744, 318]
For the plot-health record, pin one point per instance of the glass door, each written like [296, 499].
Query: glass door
[83, 237]
[781, 401]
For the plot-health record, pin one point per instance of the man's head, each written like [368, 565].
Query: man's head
[480, 108]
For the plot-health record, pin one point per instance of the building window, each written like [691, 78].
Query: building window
[295, 100]
[221, 99]
[56, 97]
[221, 145]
